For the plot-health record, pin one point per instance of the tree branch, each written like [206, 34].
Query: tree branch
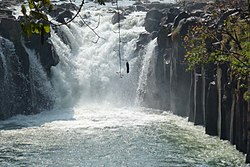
[70, 20]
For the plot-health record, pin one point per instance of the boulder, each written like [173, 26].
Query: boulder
[142, 41]
[46, 52]
[153, 20]
[64, 15]
[117, 17]
[63, 11]
[154, 14]
[191, 6]
[169, 18]
[163, 40]
[183, 27]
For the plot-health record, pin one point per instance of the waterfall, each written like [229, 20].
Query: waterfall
[4, 65]
[4, 76]
[88, 71]
[148, 65]
[9, 70]
[6, 52]
[25, 88]
[40, 86]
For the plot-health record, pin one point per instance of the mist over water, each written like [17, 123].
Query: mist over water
[95, 121]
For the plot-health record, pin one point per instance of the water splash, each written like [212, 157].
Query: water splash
[87, 71]
[42, 94]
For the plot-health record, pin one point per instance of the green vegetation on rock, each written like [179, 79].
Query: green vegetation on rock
[224, 38]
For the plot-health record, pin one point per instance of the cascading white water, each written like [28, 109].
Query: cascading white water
[98, 135]
[5, 72]
[89, 72]
[6, 49]
[148, 65]
[41, 88]
[10, 69]
[4, 64]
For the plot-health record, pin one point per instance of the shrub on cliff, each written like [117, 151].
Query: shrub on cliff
[222, 39]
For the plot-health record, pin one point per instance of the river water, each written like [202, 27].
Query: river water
[107, 136]
[95, 121]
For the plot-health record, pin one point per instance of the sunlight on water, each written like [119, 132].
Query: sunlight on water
[106, 136]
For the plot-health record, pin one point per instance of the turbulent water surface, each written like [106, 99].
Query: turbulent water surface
[91, 123]
[107, 136]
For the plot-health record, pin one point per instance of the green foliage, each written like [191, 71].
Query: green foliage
[36, 20]
[195, 40]
[227, 43]
[246, 95]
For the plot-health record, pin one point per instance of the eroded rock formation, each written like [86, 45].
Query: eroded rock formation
[208, 95]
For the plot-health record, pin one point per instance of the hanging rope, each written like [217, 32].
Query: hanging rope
[119, 39]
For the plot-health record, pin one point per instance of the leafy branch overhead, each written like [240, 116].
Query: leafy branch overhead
[35, 19]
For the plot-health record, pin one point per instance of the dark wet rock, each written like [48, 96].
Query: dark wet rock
[197, 13]
[152, 25]
[6, 13]
[138, 3]
[211, 110]
[159, 6]
[63, 10]
[142, 41]
[63, 16]
[163, 39]
[175, 10]
[144, 38]
[48, 57]
[191, 6]
[8, 3]
[154, 14]
[185, 24]
[18, 91]
[152, 20]
[141, 8]
[180, 17]
[170, 16]
[127, 10]
[117, 17]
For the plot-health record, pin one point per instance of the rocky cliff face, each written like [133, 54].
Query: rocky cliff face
[22, 62]
[207, 95]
